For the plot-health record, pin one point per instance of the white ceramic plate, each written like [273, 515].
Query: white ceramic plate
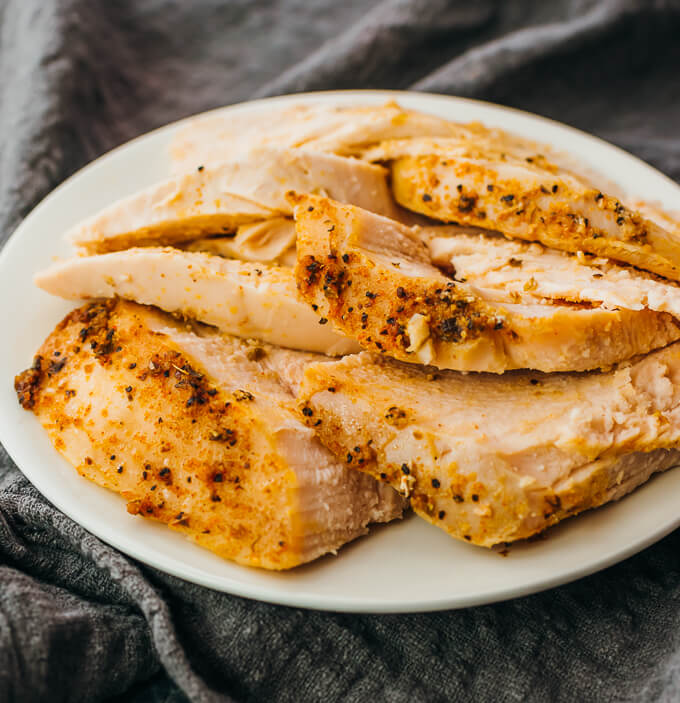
[405, 567]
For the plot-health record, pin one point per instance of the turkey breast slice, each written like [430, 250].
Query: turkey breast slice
[495, 459]
[219, 198]
[240, 298]
[525, 197]
[199, 431]
[374, 280]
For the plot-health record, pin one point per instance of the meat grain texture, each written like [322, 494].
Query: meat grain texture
[245, 299]
[491, 185]
[198, 431]
[222, 197]
[375, 281]
[495, 459]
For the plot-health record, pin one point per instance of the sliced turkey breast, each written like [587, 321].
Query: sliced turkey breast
[527, 197]
[344, 130]
[374, 280]
[220, 198]
[495, 459]
[516, 271]
[200, 432]
[240, 298]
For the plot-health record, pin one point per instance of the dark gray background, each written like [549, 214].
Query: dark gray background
[79, 621]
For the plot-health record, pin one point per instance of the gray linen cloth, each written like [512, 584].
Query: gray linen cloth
[81, 622]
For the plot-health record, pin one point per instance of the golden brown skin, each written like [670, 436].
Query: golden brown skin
[372, 279]
[375, 303]
[132, 412]
[534, 201]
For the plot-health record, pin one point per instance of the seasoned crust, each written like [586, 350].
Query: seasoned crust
[373, 280]
[133, 414]
[374, 303]
[492, 460]
[27, 384]
[94, 331]
[228, 465]
[378, 319]
[552, 208]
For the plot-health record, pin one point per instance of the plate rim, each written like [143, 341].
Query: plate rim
[147, 555]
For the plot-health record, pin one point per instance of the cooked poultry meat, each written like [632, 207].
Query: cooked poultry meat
[266, 241]
[527, 197]
[516, 271]
[572, 338]
[373, 279]
[267, 455]
[346, 131]
[220, 198]
[240, 298]
[495, 459]
[200, 432]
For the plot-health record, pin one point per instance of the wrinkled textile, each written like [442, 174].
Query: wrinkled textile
[81, 622]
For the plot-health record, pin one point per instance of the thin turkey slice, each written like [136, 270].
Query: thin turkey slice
[516, 271]
[222, 197]
[344, 130]
[373, 279]
[240, 298]
[200, 432]
[349, 130]
[459, 180]
[571, 338]
[495, 459]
